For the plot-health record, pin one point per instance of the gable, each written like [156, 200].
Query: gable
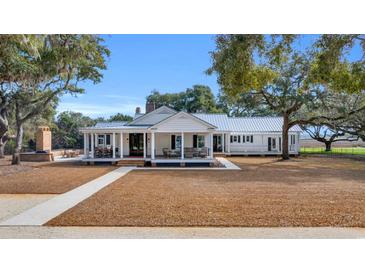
[183, 122]
[154, 117]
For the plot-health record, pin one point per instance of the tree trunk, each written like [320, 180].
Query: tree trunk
[328, 146]
[285, 154]
[3, 140]
[18, 145]
[4, 126]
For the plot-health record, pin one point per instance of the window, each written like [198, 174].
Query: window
[279, 143]
[175, 142]
[248, 138]
[274, 143]
[235, 138]
[108, 140]
[251, 138]
[239, 138]
[243, 138]
[201, 141]
[100, 140]
[292, 139]
[178, 142]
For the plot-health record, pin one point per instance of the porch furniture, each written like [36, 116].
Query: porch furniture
[101, 152]
[165, 152]
[174, 153]
[189, 152]
[70, 153]
[203, 152]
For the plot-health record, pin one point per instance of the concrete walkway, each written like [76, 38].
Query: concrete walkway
[43, 232]
[48, 210]
[13, 204]
[228, 164]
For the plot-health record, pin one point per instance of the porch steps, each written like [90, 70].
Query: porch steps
[139, 163]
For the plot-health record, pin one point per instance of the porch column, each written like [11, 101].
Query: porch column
[144, 145]
[152, 145]
[92, 137]
[85, 134]
[211, 145]
[229, 143]
[223, 143]
[113, 144]
[121, 145]
[182, 145]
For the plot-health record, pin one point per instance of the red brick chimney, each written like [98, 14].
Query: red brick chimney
[150, 106]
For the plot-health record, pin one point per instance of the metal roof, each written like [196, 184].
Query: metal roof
[245, 124]
[259, 124]
[221, 121]
[110, 124]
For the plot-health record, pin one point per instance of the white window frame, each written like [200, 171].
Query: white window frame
[178, 139]
[200, 141]
[101, 137]
[292, 139]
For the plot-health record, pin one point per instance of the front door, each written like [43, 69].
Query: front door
[217, 143]
[135, 144]
[272, 143]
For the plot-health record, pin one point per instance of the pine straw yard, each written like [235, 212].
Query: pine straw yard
[266, 192]
[46, 178]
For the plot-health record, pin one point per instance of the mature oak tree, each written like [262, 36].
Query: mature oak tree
[199, 98]
[327, 135]
[277, 73]
[61, 63]
[15, 51]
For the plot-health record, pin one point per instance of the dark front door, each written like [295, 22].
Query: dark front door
[217, 143]
[269, 144]
[135, 144]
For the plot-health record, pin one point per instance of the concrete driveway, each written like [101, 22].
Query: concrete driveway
[42, 232]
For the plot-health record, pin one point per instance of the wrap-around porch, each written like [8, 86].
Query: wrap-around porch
[112, 146]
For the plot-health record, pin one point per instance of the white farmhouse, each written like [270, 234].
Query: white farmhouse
[166, 136]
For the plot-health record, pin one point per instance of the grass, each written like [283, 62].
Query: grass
[335, 150]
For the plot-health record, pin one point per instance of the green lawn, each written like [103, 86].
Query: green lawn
[335, 150]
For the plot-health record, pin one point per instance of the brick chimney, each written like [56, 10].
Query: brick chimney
[150, 106]
[138, 110]
[44, 139]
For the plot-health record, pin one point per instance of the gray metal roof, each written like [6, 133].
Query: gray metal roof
[154, 117]
[259, 124]
[110, 124]
[218, 120]
[245, 124]
[221, 121]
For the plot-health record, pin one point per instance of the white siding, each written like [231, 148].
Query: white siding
[182, 123]
[162, 141]
[260, 144]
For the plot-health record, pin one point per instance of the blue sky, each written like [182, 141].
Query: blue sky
[140, 63]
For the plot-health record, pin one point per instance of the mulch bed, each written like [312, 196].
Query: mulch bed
[267, 192]
[47, 178]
